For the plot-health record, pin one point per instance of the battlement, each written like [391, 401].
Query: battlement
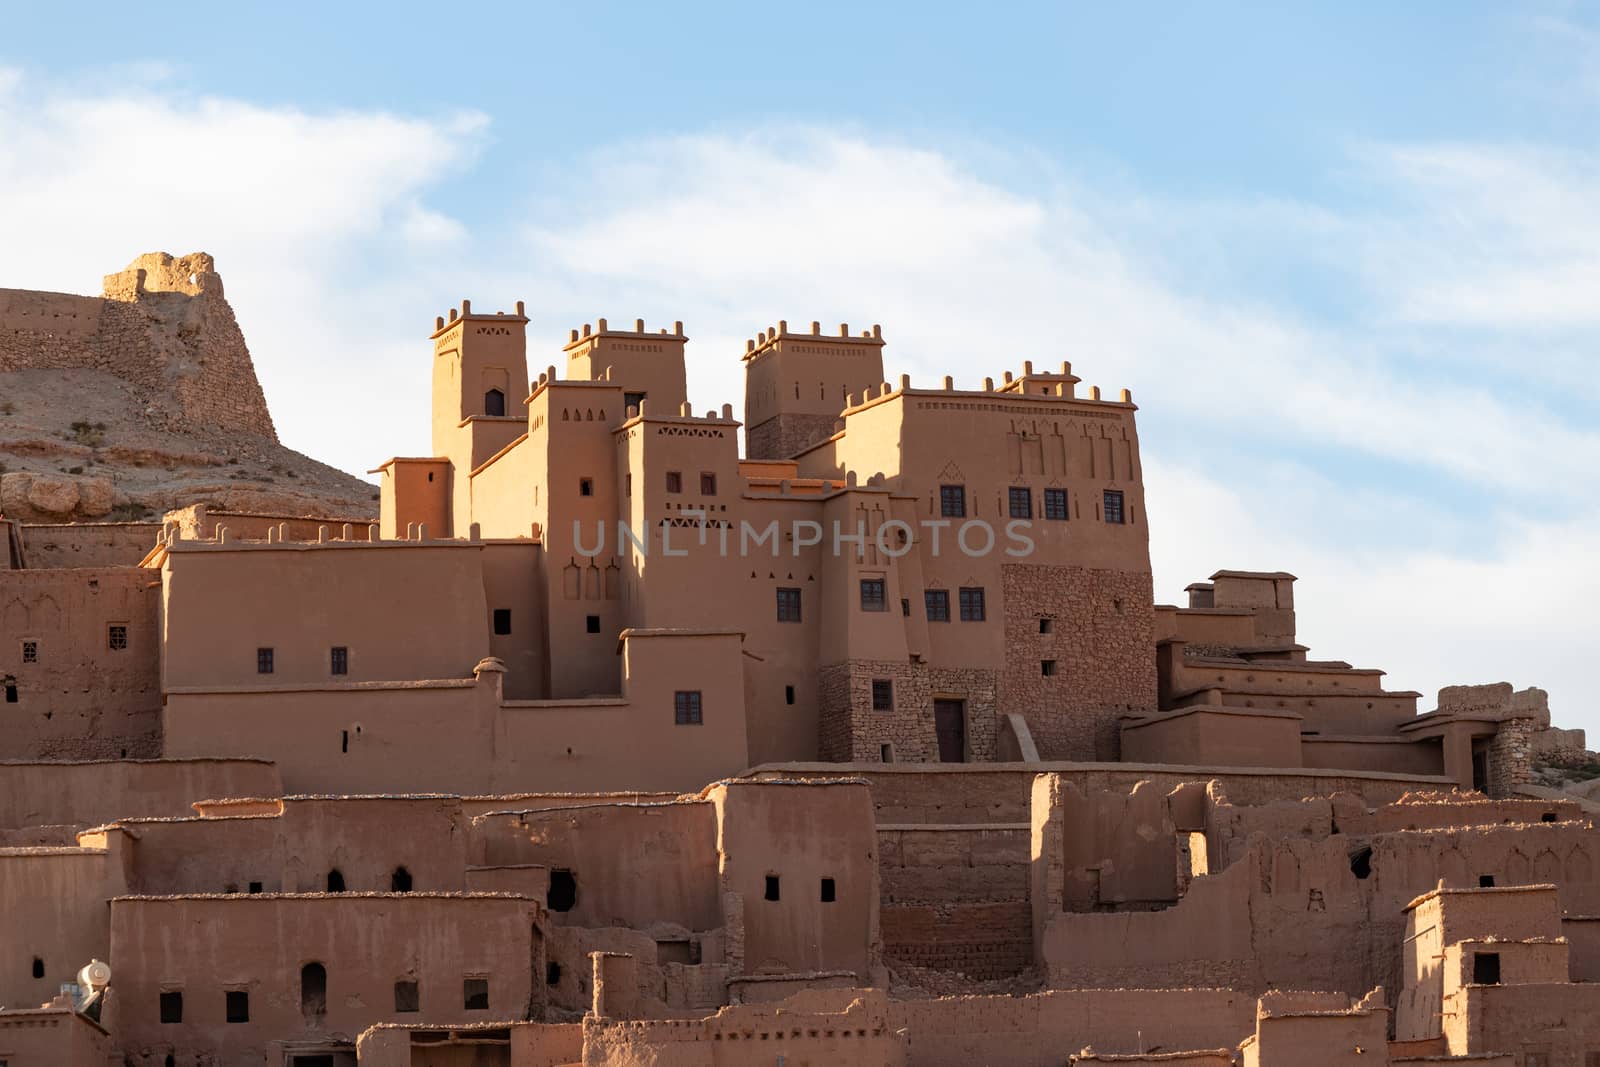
[443, 325]
[773, 336]
[883, 391]
[590, 337]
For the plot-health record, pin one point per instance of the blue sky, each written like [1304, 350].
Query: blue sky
[1346, 257]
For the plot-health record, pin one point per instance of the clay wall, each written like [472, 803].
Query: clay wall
[952, 864]
[79, 664]
[52, 910]
[1583, 938]
[51, 1036]
[984, 941]
[1216, 736]
[772, 842]
[88, 794]
[1034, 1031]
[51, 546]
[258, 945]
[1556, 1025]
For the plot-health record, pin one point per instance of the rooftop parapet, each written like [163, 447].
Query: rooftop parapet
[442, 323]
[593, 336]
[770, 338]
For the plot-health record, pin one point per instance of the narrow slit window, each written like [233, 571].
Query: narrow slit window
[264, 661]
[788, 694]
[772, 892]
[502, 621]
[829, 892]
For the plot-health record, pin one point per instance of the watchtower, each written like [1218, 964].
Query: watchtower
[647, 365]
[795, 385]
[480, 370]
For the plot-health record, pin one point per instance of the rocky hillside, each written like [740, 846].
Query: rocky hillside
[122, 406]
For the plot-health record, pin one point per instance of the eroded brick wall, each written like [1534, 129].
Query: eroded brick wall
[1101, 642]
[985, 942]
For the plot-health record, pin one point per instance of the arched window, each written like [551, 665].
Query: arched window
[400, 881]
[494, 402]
[313, 990]
[335, 881]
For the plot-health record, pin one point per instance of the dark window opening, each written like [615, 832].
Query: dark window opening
[238, 1006]
[586, 487]
[1485, 881]
[674, 481]
[632, 400]
[335, 881]
[1113, 501]
[264, 661]
[591, 624]
[788, 694]
[400, 881]
[686, 707]
[339, 660]
[1020, 500]
[829, 893]
[1055, 504]
[1047, 668]
[1548, 816]
[11, 692]
[972, 608]
[38, 967]
[953, 501]
[708, 485]
[627, 484]
[937, 603]
[475, 994]
[552, 973]
[563, 892]
[172, 1006]
[772, 887]
[1486, 968]
[406, 998]
[1361, 863]
[255, 887]
[116, 637]
[30, 652]
[788, 605]
[882, 694]
[885, 753]
[502, 621]
[905, 607]
[313, 989]
[344, 740]
[874, 594]
[494, 402]
[1047, 625]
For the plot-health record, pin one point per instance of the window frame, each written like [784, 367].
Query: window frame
[790, 604]
[878, 601]
[1054, 497]
[688, 708]
[674, 482]
[1106, 498]
[883, 688]
[339, 660]
[266, 660]
[30, 650]
[708, 483]
[117, 636]
[942, 598]
[973, 604]
[952, 501]
[1019, 494]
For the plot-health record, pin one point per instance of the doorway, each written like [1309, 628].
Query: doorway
[950, 724]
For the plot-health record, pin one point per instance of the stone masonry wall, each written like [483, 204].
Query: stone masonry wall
[785, 436]
[1101, 640]
[1511, 756]
[164, 326]
[852, 731]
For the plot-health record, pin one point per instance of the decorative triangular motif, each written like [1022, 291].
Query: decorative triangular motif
[951, 473]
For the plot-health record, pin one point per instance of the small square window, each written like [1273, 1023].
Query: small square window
[788, 605]
[953, 501]
[502, 621]
[1047, 668]
[1055, 504]
[238, 1006]
[30, 652]
[972, 609]
[674, 481]
[882, 694]
[339, 660]
[1485, 881]
[708, 485]
[1020, 500]
[874, 594]
[264, 661]
[117, 636]
[255, 887]
[1047, 626]
[475, 994]
[772, 887]
[829, 892]
[937, 601]
[1114, 506]
[591, 624]
[405, 996]
[1486, 968]
[686, 708]
[172, 1006]
[586, 487]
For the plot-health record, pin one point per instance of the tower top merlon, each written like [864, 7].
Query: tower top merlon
[442, 324]
[773, 338]
[593, 336]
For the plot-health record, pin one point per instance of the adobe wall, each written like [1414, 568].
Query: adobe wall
[80, 698]
[258, 945]
[51, 1036]
[1037, 1030]
[88, 794]
[162, 325]
[52, 909]
[952, 864]
[1104, 668]
[51, 546]
[1561, 1023]
[983, 940]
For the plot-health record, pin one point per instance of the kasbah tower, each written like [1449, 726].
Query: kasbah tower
[599, 742]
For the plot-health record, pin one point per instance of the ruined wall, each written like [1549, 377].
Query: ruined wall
[1101, 643]
[79, 664]
[163, 325]
[92, 544]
